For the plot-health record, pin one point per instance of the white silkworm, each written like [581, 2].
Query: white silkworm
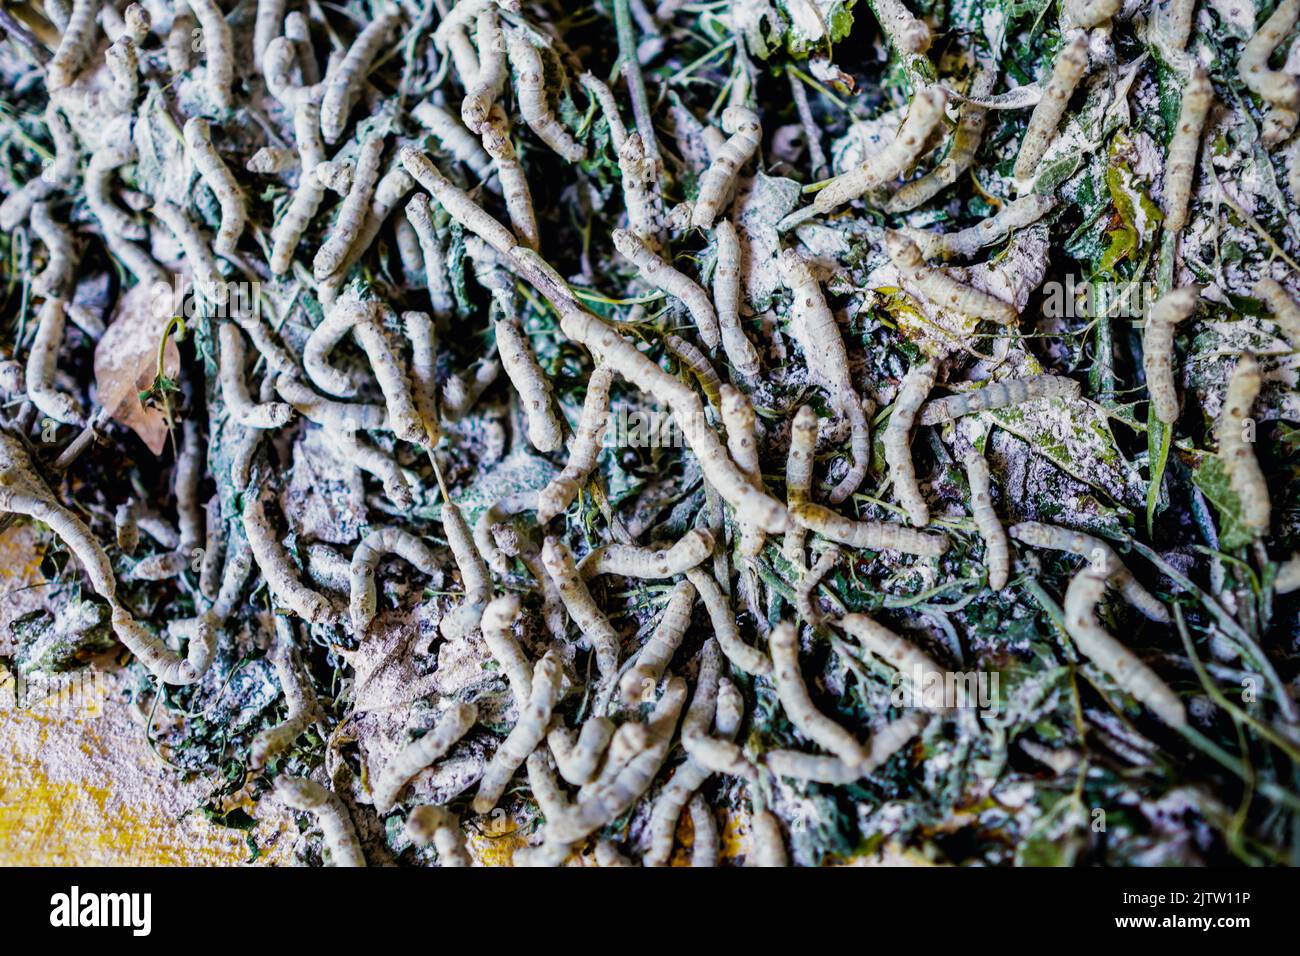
[474, 574]
[997, 552]
[266, 27]
[905, 31]
[642, 193]
[1184, 147]
[937, 287]
[748, 659]
[1286, 311]
[1171, 308]
[798, 478]
[899, 653]
[301, 707]
[423, 372]
[114, 220]
[160, 660]
[440, 826]
[578, 760]
[726, 297]
[510, 174]
[123, 64]
[530, 89]
[798, 704]
[563, 488]
[716, 183]
[692, 358]
[460, 392]
[218, 51]
[809, 582]
[76, 44]
[871, 535]
[886, 742]
[497, 626]
[462, 144]
[270, 160]
[343, 86]
[343, 315]
[276, 566]
[383, 466]
[660, 274]
[457, 202]
[43, 364]
[337, 416]
[1014, 215]
[1173, 22]
[482, 91]
[1101, 555]
[527, 734]
[1236, 432]
[653, 658]
[596, 630]
[1013, 391]
[207, 277]
[897, 440]
[218, 177]
[1274, 86]
[365, 560]
[768, 844]
[600, 92]
[214, 546]
[1068, 67]
[351, 219]
[742, 442]
[420, 216]
[234, 391]
[454, 723]
[1092, 640]
[306, 199]
[1090, 13]
[340, 835]
[403, 416]
[545, 431]
[632, 561]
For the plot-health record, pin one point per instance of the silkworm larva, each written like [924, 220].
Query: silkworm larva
[632, 561]
[1092, 640]
[1180, 162]
[338, 416]
[474, 574]
[1275, 86]
[748, 659]
[420, 333]
[454, 723]
[123, 64]
[813, 326]
[905, 657]
[938, 287]
[592, 622]
[768, 843]
[653, 658]
[301, 707]
[544, 429]
[76, 44]
[434, 254]
[439, 826]
[114, 220]
[366, 558]
[1016, 214]
[276, 566]
[578, 760]
[1244, 474]
[352, 213]
[1286, 311]
[462, 144]
[1158, 348]
[886, 742]
[383, 466]
[897, 440]
[126, 523]
[810, 581]
[179, 43]
[266, 27]
[694, 359]
[306, 200]
[726, 296]
[340, 835]
[510, 173]
[218, 177]
[1090, 13]
[798, 478]
[43, 364]
[1014, 391]
[159, 659]
[1067, 70]
[1100, 554]
[905, 31]
[279, 69]
[527, 734]
[660, 274]
[742, 442]
[798, 704]
[642, 193]
[600, 92]
[460, 394]
[218, 51]
[483, 90]
[1173, 22]
[746, 134]
[563, 488]
[211, 285]
[402, 414]
[531, 91]
[1288, 576]
[343, 87]
[270, 160]
[607, 854]
[243, 409]
[497, 626]
[343, 315]
[214, 547]
[457, 202]
[997, 552]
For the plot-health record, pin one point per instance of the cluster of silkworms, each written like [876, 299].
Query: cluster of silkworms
[387, 200]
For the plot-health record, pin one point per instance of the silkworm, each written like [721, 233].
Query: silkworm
[306, 199]
[1288, 576]
[809, 581]
[340, 835]
[337, 416]
[1014, 215]
[420, 333]
[653, 658]
[123, 64]
[531, 92]
[1090, 13]
[474, 574]
[798, 478]
[368, 458]
[1013, 391]
[234, 391]
[343, 86]
[277, 568]
[180, 42]
[748, 659]
[726, 297]
[266, 27]
[214, 546]
[76, 44]
[1184, 147]
[583, 453]
[600, 92]
[768, 843]
[1068, 67]
[660, 274]
[159, 659]
[99, 172]
[352, 213]
[454, 723]
[301, 706]
[460, 392]
[457, 202]
[43, 364]
[218, 177]
[498, 621]
[207, 277]
[545, 432]
[997, 552]
[1158, 348]
[343, 315]
[18, 204]
[898, 652]
[438, 825]
[365, 560]
[126, 523]
[596, 630]
[716, 183]
[218, 51]
[462, 144]
[578, 760]
[1235, 425]
[1101, 555]
[742, 442]
[937, 287]
[1173, 21]
[482, 90]
[527, 734]
[693, 359]
[1286, 311]
[886, 742]
[403, 416]
[905, 32]
[642, 193]
[1093, 642]
[897, 440]
[798, 704]
[270, 160]
[1274, 86]
[632, 561]
[452, 36]
[510, 173]
[420, 216]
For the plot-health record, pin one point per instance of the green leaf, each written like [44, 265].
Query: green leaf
[1212, 479]
[1159, 438]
